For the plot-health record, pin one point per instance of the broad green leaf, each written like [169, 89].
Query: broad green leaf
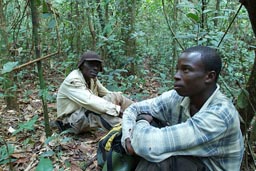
[1, 95]
[193, 17]
[5, 152]
[242, 100]
[163, 76]
[8, 67]
[107, 28]
[219, 17]
[51, 24]
[5, 161]
[66, 132]
[45, 8]
[46, 15]
[208, 10]
[44, 164]
[65, 139]
[29, 125]
[49, 139]
[67, 163]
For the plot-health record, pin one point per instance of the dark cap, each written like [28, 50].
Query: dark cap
[89, 56]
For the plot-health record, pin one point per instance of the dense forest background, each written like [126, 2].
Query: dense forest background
[139, 40]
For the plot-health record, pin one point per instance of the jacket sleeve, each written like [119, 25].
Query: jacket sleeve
[79, 93]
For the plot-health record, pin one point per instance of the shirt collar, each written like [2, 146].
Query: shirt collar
[186, 101]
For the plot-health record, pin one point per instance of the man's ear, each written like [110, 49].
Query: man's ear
[210, 77]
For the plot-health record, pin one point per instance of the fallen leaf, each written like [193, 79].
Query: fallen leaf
[74, 167]
[11, 129]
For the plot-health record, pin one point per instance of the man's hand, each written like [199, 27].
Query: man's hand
[129, 146]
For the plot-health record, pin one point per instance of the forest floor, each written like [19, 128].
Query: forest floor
[28, 146]
[67, 151]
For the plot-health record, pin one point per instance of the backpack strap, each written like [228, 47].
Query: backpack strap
[105, 123]
[109, 161]
[115, 145]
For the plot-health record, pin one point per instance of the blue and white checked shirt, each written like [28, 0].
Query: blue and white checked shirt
[213, 133]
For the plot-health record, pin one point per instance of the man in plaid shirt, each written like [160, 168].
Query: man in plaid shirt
[203, 128]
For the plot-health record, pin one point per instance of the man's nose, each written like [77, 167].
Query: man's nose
[95, 67]
[177, 75]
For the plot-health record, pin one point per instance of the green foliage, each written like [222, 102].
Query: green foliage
[65, 27]
[5, 153]
[193, 16]
[45, 164]
[242, 100]
[46, 95]
[45, 158]
[119, 80]
[115, 80]
[153, 39]
[8, 67]
[27, 126]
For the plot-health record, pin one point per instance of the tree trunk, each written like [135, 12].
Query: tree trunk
[36, 42]
[249, 112]
[90, 25]
[203, 15]
[8, 85]
[100, 14]
[217, 10]
[251, 6]
[78, 28]
[128, 16]
[103, 13]
[174, 43]
[4, 40]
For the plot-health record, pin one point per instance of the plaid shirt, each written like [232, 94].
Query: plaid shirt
[213, 133]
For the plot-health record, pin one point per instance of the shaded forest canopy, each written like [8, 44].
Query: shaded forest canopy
[140, 42]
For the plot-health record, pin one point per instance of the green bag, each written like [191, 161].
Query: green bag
[111, 155]
[119, 162]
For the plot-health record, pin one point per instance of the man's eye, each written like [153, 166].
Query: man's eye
[185, 70]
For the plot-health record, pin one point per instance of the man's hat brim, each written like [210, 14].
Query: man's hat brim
[89, 56]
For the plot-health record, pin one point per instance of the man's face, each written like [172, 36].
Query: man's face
[190, 76]
[90, 69]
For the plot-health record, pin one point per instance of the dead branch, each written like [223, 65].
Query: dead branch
[33, 61]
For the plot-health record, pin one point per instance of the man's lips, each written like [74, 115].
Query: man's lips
[177, 86]
[94, 74]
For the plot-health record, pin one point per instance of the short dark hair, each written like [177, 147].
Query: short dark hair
[210, 57]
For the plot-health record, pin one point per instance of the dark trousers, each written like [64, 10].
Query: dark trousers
[174, 163]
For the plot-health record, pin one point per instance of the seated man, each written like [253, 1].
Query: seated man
[203, 130]
[83, 103]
